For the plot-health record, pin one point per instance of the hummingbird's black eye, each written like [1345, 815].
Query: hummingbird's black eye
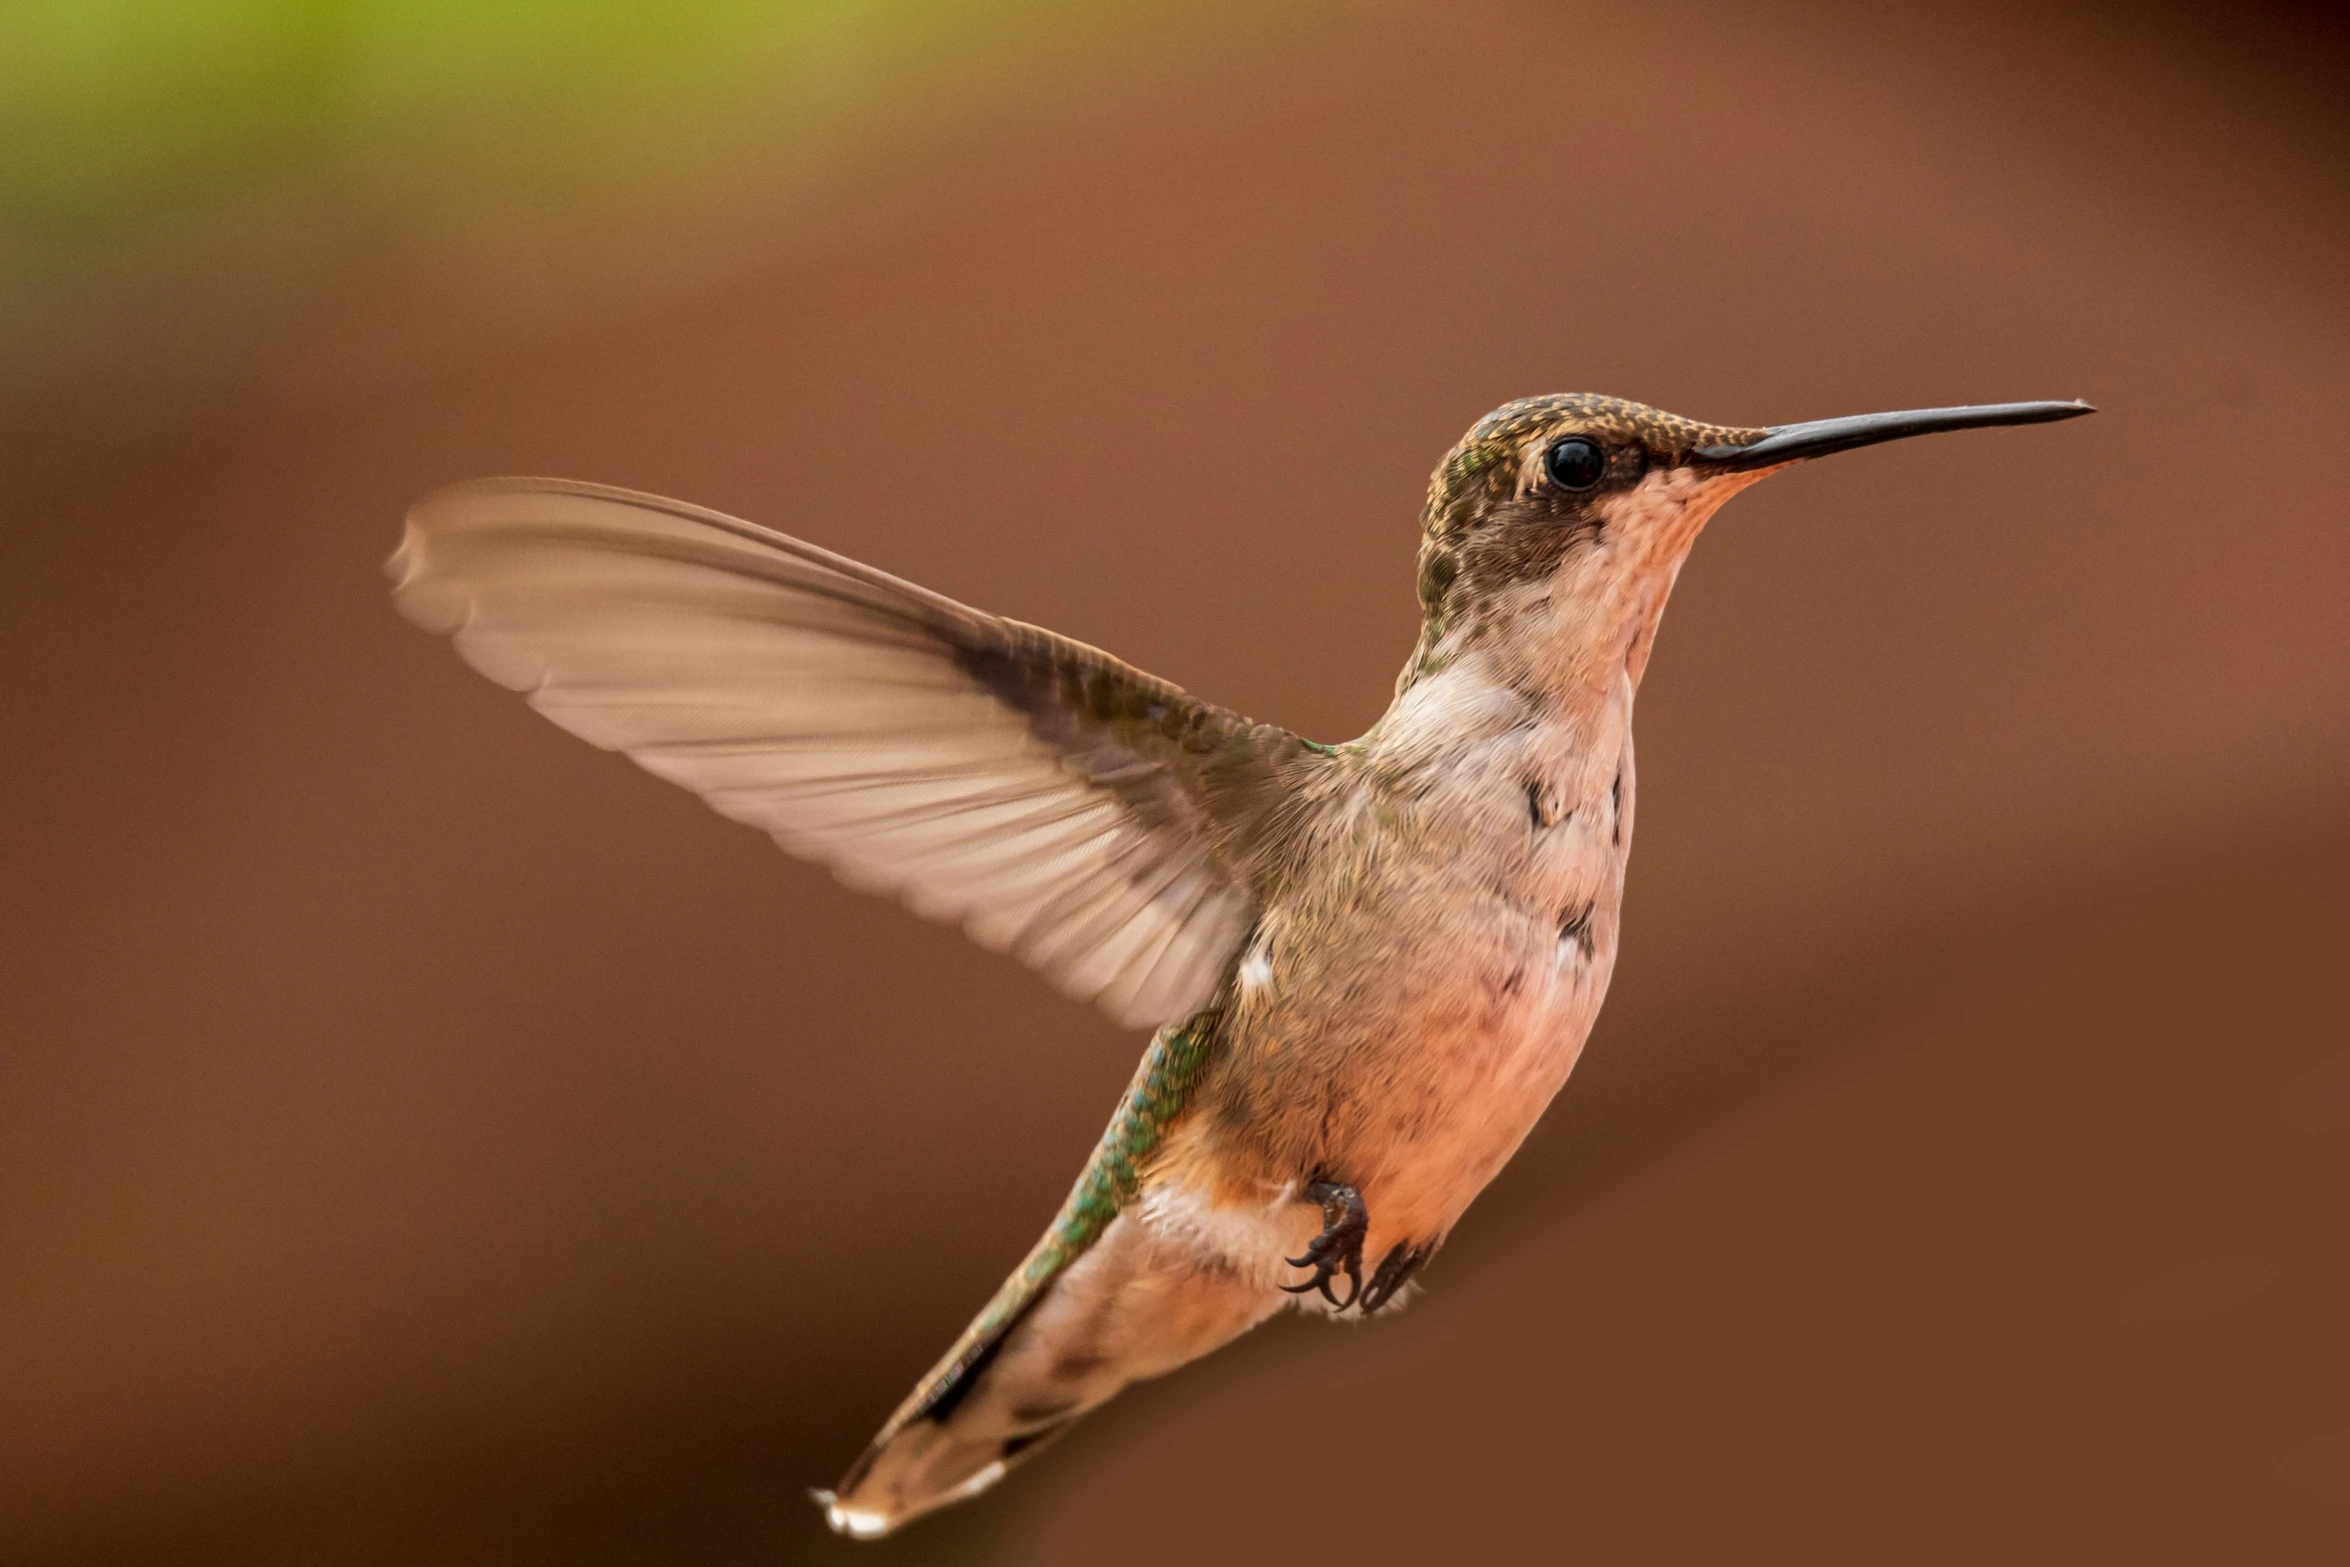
[1575, 463]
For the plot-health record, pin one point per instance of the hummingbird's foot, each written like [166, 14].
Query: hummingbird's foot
[1398, 1268]
[1339, 1248]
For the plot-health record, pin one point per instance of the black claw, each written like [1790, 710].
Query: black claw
[1339, 1248]
[1395, 1270]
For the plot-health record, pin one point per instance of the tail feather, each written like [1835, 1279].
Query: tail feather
[1132, 1307]
[1099, 1303]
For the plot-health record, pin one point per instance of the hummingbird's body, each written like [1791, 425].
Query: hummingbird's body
[1373, 964]
[1422, 987]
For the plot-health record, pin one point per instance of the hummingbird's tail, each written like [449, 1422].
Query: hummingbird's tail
[1132, 1307]
[1104, 1300]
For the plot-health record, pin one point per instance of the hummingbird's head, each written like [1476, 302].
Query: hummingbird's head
[1578, 510]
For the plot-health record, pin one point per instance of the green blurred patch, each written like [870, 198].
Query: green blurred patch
[200, 199]
[119, 112]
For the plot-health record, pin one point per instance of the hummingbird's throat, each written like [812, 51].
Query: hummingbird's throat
[1610, 602]
[1570, 636]
[1652, 526]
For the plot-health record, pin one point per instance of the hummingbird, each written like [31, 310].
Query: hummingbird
[1368, 966]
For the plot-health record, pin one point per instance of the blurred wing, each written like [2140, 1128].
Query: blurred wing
[1097, 823]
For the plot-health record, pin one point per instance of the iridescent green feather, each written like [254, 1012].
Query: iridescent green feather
[1162, 1086]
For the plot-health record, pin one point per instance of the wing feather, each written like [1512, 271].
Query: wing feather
[1101, 825]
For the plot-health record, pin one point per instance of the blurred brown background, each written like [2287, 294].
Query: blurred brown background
[426, 1139]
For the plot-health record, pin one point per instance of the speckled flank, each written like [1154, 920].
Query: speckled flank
[1161, 1088]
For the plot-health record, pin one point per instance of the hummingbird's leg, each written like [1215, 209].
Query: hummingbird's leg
[1338, 1248]
[1398, 1268]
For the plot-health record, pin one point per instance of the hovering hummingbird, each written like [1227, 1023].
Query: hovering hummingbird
[1369, 966]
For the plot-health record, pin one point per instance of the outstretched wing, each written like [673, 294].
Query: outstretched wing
[1101, 825]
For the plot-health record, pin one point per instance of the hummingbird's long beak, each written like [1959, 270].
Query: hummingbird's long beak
[1819, 437]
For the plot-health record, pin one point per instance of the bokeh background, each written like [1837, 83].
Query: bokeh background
[426, 1139]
